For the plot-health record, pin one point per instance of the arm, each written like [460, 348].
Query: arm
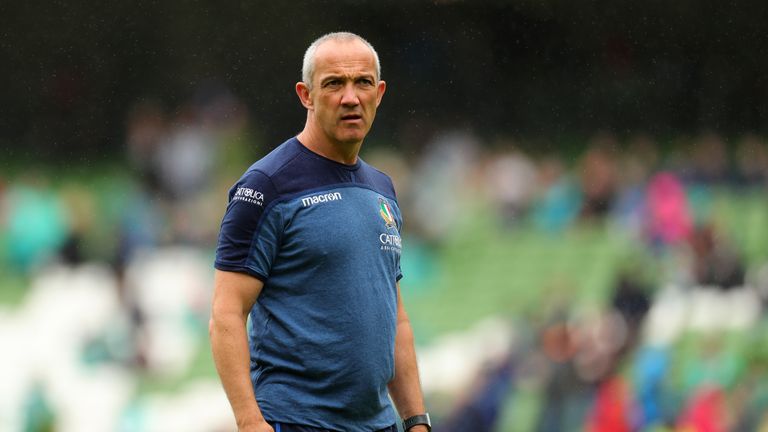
[234, 295]
[405, 388]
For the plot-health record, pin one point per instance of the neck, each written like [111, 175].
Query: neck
[345, 153]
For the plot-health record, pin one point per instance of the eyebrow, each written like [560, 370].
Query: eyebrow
[370, 76]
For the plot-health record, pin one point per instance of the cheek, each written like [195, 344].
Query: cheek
[327, 107]
[372, 101]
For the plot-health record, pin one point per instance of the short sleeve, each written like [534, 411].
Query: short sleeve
[243, 225]
[399, 223]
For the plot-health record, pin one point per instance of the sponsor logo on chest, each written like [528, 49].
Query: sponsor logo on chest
[321, 198]
[390, 240]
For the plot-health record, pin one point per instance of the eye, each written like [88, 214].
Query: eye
[332, 83]
[365, 81]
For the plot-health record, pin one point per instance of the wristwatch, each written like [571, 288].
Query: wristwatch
[421, 419]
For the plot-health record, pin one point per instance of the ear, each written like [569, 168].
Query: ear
[304, 95]
[381, 87]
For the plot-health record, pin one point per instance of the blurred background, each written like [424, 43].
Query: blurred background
[584, 186]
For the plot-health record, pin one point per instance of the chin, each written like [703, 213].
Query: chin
[350, 138]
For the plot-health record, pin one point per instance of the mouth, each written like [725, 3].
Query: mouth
[351, 117]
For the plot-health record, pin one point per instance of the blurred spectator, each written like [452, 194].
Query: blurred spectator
[185, 157]
[667, 218]
[711, 361]
[710, 162]
[226, 117]
[566, 396]
[481, 411]
[37, 224]
[752, 162]
[706, 412]
[557, 200]
[650, 370]
[442, 183]
[510, 177]
[145, 131]
[141, 225]
[613, 408]
[631, 299]
[599, 177]
[637, 165]
[601, 340]
[81, 211]
[715, 262]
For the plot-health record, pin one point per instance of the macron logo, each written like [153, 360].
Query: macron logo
[249, 195]
[314, 199]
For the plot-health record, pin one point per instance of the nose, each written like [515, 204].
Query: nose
[349, 96]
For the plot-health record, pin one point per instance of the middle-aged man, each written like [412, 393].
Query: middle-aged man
[310, 248]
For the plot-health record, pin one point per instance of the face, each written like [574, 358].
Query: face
[345, 91]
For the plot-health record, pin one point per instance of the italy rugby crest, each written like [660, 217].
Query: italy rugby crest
[386, 213]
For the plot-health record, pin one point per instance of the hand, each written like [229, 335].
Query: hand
[261, 426]
[418, 428]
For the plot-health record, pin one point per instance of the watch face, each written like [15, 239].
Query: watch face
[422, 419]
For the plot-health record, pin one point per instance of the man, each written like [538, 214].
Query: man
[310, 248]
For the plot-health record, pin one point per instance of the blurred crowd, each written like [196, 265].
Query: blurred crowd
[678, 350]
[116, 272]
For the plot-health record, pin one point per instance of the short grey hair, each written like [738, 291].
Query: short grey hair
[308, 66]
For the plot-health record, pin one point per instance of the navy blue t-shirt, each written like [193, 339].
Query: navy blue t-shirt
[324, 237]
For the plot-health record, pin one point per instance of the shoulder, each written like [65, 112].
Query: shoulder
[277, 159]
[257, 185]
[377, 179]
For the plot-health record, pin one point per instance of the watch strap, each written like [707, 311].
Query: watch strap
[421, 419]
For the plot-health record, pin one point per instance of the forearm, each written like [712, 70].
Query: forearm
[229, 344]
[405, 387]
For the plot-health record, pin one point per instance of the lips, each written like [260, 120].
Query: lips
[351, 117]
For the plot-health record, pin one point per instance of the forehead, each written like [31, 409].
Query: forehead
[344, 58]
